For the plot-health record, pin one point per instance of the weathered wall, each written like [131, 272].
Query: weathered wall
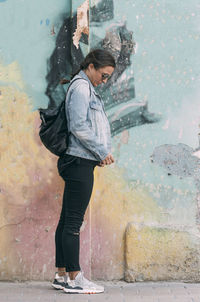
[30, 189]
[143, 222]
[146, 209]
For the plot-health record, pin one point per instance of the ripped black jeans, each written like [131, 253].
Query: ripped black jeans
[78, 176]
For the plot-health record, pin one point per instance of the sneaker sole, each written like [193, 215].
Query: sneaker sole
[82, 291]
[56, 286]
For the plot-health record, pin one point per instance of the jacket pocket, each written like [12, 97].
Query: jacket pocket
[95, 106]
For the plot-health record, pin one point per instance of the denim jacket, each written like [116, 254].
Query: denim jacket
[87, 121]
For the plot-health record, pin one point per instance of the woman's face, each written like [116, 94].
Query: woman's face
[99, 76]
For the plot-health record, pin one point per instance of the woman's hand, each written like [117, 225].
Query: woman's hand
[107, 161]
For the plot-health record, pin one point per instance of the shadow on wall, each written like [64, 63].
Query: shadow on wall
[66, 58]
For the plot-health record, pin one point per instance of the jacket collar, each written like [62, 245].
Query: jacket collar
[83, 75]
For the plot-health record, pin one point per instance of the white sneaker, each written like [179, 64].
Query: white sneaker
[63, 283]
[83, 286]
[60, 282]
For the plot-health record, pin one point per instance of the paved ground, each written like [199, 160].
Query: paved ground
[114, 292]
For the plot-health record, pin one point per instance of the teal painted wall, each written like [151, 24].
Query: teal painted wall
[156, 145]
[165, 71]
[28, 35]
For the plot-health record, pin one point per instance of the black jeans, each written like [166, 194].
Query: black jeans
[78, 176]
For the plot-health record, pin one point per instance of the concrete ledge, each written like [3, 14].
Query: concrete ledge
[156, 254]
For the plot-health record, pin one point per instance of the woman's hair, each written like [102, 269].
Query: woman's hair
[99, 58]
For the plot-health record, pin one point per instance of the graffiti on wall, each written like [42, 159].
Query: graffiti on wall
[120, 89]
[119, 94]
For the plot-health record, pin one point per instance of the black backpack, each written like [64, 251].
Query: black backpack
[53, 131]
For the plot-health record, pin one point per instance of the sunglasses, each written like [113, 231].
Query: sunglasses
[105, 76]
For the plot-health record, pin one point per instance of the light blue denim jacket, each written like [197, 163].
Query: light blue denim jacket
[87, 121]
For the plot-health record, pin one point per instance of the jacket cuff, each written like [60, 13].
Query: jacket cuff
[103, 155]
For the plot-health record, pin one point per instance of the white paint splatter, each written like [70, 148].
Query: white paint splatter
[197, 154]
[166, 126]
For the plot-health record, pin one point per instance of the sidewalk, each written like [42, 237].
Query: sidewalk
[114, 292]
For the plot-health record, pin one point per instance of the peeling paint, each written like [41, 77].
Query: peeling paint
[178, 160]
[82, 23]
[101, 11]
[53, 30]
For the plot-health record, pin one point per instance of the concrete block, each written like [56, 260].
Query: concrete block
[153, 254]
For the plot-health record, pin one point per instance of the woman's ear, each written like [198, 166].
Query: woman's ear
[91, 66]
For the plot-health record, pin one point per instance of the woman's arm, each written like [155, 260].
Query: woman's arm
[78, 105]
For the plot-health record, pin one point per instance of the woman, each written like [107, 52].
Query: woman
[89, 146]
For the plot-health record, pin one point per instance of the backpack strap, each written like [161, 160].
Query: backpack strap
[73, 80]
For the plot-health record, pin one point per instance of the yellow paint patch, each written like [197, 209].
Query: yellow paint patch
[114, 205]
[159, 254]
[19, 149]
[113, 195]
[11, 74]
[26, 170]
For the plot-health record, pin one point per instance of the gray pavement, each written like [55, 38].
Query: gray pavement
[114, 291]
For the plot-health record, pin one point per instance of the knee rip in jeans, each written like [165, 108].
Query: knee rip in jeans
[73, 233]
